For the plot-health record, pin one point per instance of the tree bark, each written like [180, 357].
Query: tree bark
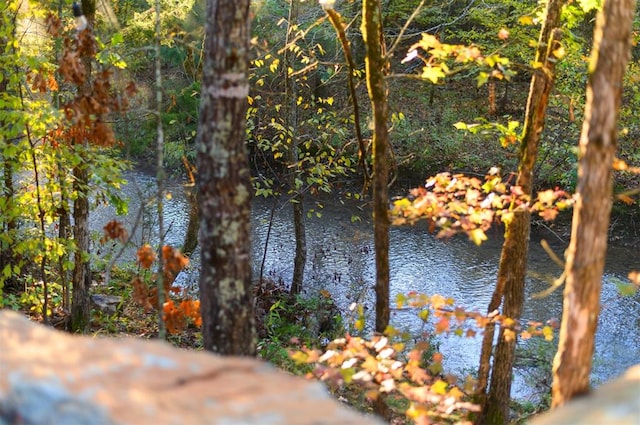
[585, 256]
[9, 223]
[223, 181]
[81, 277]
[375, 62]
[291, 108]
[513, 259]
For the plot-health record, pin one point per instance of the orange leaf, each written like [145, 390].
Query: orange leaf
[625, 198]
[549, 214]
[442, 325]
[619, 164]
[146, 256]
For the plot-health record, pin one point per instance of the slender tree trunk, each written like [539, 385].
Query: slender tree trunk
[375, 67]
[191, 236]
[223, 181]
[9, 222]
[587, 249]
[513, 260]
[7, 256]
[64, 226]
[291, 108]
[160, 284]
[81, 278]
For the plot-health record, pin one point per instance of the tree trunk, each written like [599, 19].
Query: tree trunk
[81, 278]
[586, 253]
[375, 62]
[160, 284]
[291, 108]
[513, 260]
[223, 181]
[191, 236]
[8, 217]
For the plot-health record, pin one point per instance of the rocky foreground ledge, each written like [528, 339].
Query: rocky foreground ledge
[49, 377]
[615, 403]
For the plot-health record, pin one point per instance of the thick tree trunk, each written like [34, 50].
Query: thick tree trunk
[587, 249]
[376, 86]
[81, 278]
[80, 302]
[223, 181]
[513, 260]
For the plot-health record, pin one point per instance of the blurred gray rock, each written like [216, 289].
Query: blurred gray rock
[615, 403]
[106, 303]
[49, 377]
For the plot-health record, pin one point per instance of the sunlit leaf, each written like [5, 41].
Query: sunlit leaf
[509, 335]
[432, 73]
[559, 53]
[439, 387]
[477, 236]
[547, 331]
[525, 20]
[625, 198]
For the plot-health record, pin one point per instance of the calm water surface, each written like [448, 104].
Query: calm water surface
[341, 260]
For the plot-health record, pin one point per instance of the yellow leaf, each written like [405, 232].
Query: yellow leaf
[559, 53]
[509, 335]
[398, 346]
[525, 20]
[299, 357]
[547, 331]
[432, 73]
[402, 203]
[546, 196]
[477, 236]
[507, 217]
[439, 387]
[455, 393]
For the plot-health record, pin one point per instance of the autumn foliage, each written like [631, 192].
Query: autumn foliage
[380, 368]
[455, 203]
[87, 110]
[179, 310]
[385, 366]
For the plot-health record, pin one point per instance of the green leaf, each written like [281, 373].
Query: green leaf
[483, 77]
[589, 5]
[117, 38]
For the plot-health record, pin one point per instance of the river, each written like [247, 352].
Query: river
[341, 260]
